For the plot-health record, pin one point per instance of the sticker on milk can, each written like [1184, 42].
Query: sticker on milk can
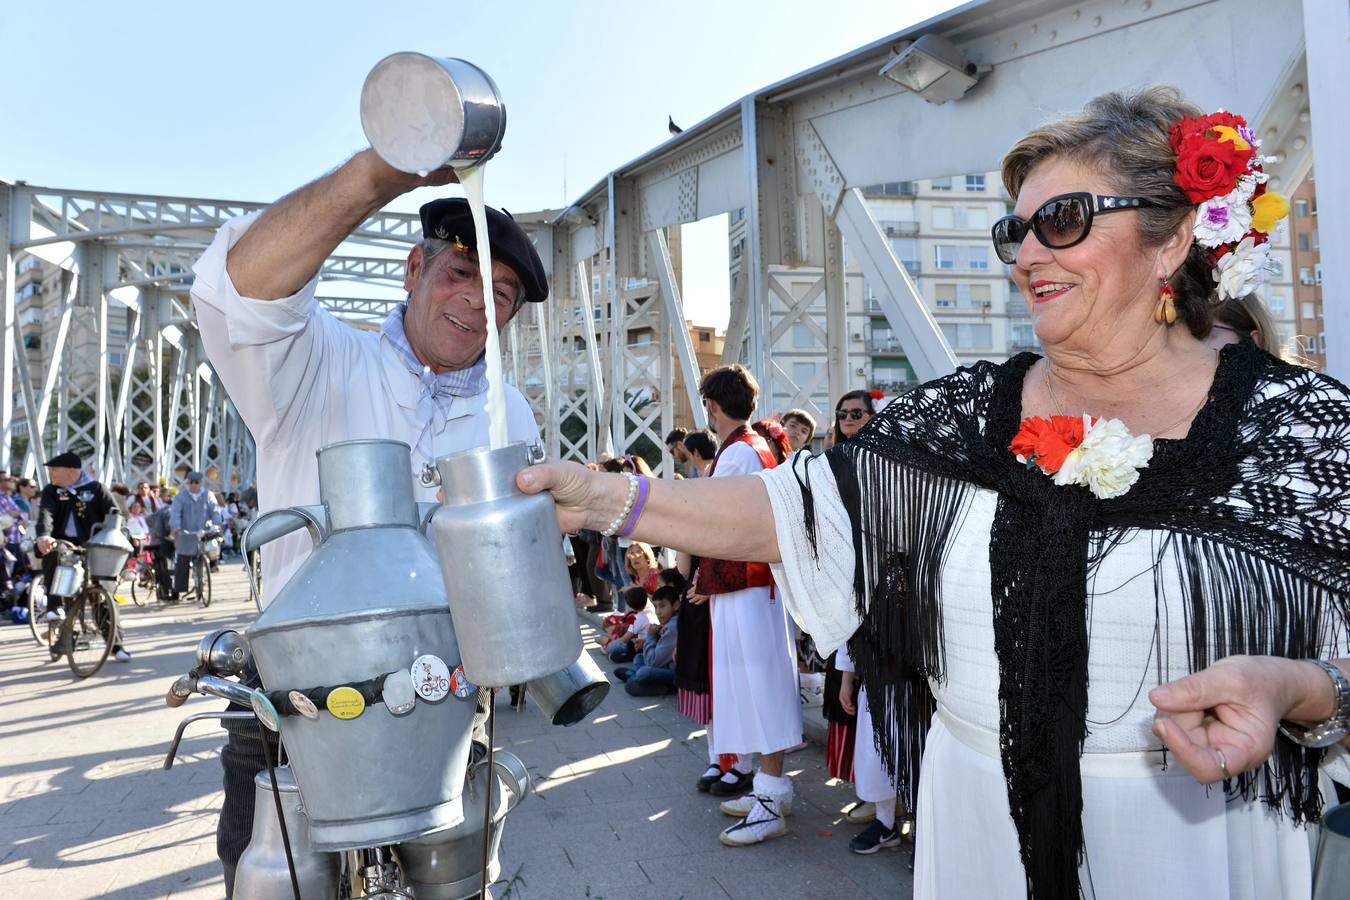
[431, 677]
[346, 702]
[397, 693]
[460, 685]
[303, 705]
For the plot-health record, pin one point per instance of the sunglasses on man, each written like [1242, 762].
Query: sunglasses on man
[853, 414]
[1058, 223]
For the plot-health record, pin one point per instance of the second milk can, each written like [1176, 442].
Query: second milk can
[502, 556]
[366, 608]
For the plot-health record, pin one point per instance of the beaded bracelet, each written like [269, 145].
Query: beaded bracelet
[622, 517]
[631, 522]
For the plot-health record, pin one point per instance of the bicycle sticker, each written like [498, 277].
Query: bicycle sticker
[431, 677]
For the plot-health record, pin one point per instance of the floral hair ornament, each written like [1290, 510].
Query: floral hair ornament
[1220, 170]
[1099, 454]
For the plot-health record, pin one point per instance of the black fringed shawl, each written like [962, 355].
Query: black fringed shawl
[1256, 503]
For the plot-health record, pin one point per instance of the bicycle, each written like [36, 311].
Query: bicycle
[87, 634]
[208, 547]
[140, 581]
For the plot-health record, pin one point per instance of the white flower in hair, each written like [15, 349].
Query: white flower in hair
[1242, 270]
[1223, 220]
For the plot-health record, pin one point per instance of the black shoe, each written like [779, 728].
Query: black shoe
[623, 673]
[648, 689]
[744, 781]
[711, 775]
[873, 838]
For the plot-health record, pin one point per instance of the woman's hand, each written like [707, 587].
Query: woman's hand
[1222, 720]
[846, 693]
[575, 489]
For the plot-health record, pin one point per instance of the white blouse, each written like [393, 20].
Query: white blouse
[1179, 835]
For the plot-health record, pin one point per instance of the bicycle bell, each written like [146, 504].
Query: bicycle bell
[224, 653]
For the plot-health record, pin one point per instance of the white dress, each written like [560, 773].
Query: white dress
[302, 380]
[756, 704]
[1149, 830]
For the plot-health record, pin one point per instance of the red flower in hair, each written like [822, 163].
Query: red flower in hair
[1046, 442]
[1208, 168]
[1201, 125]
[876, 394]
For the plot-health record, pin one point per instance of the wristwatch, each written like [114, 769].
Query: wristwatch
[1336, 728]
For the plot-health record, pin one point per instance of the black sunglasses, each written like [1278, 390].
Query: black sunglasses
[1059, 222]
[854, 414]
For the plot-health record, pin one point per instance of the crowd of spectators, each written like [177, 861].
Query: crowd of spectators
[659, 628]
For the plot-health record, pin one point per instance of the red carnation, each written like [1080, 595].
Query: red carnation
[1046, 442]
[876, 394]
[1208, 168]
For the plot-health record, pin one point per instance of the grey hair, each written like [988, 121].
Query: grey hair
[1126, 137]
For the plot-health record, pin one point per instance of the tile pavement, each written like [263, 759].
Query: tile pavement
[86, 809]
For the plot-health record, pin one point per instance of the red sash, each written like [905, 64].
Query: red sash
[720, 576]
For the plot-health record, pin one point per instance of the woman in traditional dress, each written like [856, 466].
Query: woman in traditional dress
[1064, 566]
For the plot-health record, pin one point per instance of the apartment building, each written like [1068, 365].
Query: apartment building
[1306, 255]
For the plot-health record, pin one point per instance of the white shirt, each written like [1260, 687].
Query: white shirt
[301, 379]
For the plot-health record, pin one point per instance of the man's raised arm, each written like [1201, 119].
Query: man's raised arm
[292, 238]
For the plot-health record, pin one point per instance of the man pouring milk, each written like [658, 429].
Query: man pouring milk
[302, 380]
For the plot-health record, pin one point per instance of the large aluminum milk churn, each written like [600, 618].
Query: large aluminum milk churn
[108, 549]
[364, 609]
[502, 556]
[262, 872]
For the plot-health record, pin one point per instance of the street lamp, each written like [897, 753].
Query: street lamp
[933, 68]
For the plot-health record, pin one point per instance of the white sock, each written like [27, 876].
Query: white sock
[886, 813]
[713, 758]
[777, 787]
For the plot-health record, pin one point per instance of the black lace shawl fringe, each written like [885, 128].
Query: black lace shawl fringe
[1251, 582]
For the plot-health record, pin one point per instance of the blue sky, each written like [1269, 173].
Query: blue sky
[247, 100]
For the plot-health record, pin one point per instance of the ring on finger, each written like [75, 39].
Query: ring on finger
[1223, 764]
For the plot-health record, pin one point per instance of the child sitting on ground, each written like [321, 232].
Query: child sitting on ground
[625, 641]
[653, 671]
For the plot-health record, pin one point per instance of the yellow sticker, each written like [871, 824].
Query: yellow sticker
[346, 703]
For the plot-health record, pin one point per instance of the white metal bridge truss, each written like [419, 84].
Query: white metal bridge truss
[788, 162]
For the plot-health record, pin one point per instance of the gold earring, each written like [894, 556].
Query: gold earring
[1165, 311]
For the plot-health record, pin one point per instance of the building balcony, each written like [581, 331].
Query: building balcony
[884, 345]
[901, 229]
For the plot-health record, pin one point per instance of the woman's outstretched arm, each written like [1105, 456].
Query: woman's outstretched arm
[723, 518]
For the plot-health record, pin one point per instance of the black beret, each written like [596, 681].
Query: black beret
[449, 219]
[68, 460]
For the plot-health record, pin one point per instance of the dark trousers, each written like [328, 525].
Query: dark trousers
[162, 553]
[181, 565]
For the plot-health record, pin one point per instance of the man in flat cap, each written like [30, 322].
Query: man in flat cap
[302, 380]
[194, 508]
[70, 507]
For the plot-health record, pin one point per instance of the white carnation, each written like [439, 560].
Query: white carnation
[1223, 220]
[1242, 270]
[1110, 458]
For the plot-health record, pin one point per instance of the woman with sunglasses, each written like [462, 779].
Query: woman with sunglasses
[1105, 592]
[854, 410]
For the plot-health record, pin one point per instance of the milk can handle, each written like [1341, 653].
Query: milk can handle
[513, 772]
[284, 521]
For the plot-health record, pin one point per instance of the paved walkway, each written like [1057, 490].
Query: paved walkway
[86, 809]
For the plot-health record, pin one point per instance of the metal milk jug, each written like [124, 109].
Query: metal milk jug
[448, 865]
[366, 607]
[423, 112]
[108, 549]
[262, 872]
[501, 553]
